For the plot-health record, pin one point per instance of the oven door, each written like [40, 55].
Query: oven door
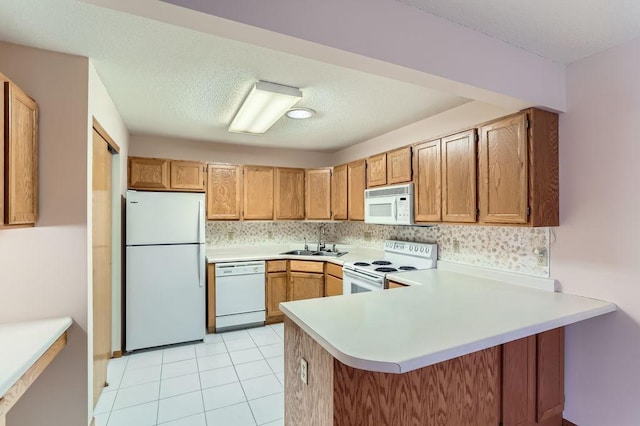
[360, 282]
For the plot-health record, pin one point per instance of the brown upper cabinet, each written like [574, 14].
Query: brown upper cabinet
[224, 192]
[459, 177]
[161, 174]
[377, 170]
[427, 182]
[339, 190]
[318, 194]
[518, 170]
[188, 175]
[18, 156]
[399, 165]
[289, 190]
[258, 192]
[356, 183]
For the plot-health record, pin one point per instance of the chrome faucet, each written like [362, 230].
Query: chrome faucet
[321, 245]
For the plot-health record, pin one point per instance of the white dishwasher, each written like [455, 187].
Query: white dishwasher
[240, 294]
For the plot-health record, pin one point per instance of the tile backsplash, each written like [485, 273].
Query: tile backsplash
[504, 248]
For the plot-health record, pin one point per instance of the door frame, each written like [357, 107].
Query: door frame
[114, 149]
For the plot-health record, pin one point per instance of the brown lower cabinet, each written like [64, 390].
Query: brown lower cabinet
[305, 285]
[533, 380]
[333, 280]
[289, 280]
[511, 384]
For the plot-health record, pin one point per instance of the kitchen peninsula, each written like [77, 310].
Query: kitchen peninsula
[450, 349]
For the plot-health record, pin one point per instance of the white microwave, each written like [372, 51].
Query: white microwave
[389, 205]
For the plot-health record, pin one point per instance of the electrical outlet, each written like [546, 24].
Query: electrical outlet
[367, 236]
[456, 246]
[541, 255]
[270, 235]
[304, 371]
[230, 235]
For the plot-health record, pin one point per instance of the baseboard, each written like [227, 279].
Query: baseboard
[566, 422]
[117, 354]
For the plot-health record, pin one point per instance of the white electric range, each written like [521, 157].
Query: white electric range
[399, 256]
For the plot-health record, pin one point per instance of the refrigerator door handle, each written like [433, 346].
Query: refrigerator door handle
[201, 266]
[201, 223]
[201, 260]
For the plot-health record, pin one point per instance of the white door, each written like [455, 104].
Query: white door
[164, 218]
[165, 295]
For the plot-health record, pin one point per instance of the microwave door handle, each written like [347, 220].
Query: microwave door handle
[394, 209]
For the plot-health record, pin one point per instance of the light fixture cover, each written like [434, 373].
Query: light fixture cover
[263, 106]
[300, 113]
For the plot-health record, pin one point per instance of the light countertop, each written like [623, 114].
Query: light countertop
[449, 315]
[23, 343]
[272, 252]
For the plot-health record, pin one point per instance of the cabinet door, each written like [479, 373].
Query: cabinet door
[377, 170]
[187, 175]
[533, 380]
[258, 192]
[459, 177]
[21, 160]
[356, 186]
[149, 173]
[339, 192]
[519, 382]
[276, 293]
[332, 286]
[303, 285]
[224, 191]
[503, 171]
[550, 376]
[318, 194]
[289, 193]
[393, 284]
[399, 165]
[427, 191]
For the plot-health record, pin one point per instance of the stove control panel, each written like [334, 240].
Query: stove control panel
[427, 250]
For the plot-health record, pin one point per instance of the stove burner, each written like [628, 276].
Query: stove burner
[407, 268]
[381, 262]
[361, 264]
[383, 269]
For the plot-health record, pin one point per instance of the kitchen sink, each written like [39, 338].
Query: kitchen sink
[315, 253]
[302, 252]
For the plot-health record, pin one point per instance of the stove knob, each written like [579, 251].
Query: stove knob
[421, 249]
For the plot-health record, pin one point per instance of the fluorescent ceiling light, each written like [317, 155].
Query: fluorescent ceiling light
[300, 113]
[264, 105]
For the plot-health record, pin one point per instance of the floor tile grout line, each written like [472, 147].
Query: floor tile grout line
[159, 386]
[242, 387]
[204, 408]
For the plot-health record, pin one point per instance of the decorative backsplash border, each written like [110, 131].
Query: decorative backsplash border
[503, 248]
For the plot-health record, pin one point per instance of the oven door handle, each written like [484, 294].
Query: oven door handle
[363, 275]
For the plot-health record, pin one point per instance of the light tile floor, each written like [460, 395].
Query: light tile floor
[232, 379]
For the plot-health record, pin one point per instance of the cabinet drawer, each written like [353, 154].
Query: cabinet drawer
[277, 266]
[335, 270]
[306, 266]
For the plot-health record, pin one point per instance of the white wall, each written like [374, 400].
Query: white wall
[184, 149]
[102, 108]
[44, 269]
[598, 247]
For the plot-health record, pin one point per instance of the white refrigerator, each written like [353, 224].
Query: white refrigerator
[165, 269]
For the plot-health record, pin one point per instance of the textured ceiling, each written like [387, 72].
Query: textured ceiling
[173, 81]
[561, 30]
